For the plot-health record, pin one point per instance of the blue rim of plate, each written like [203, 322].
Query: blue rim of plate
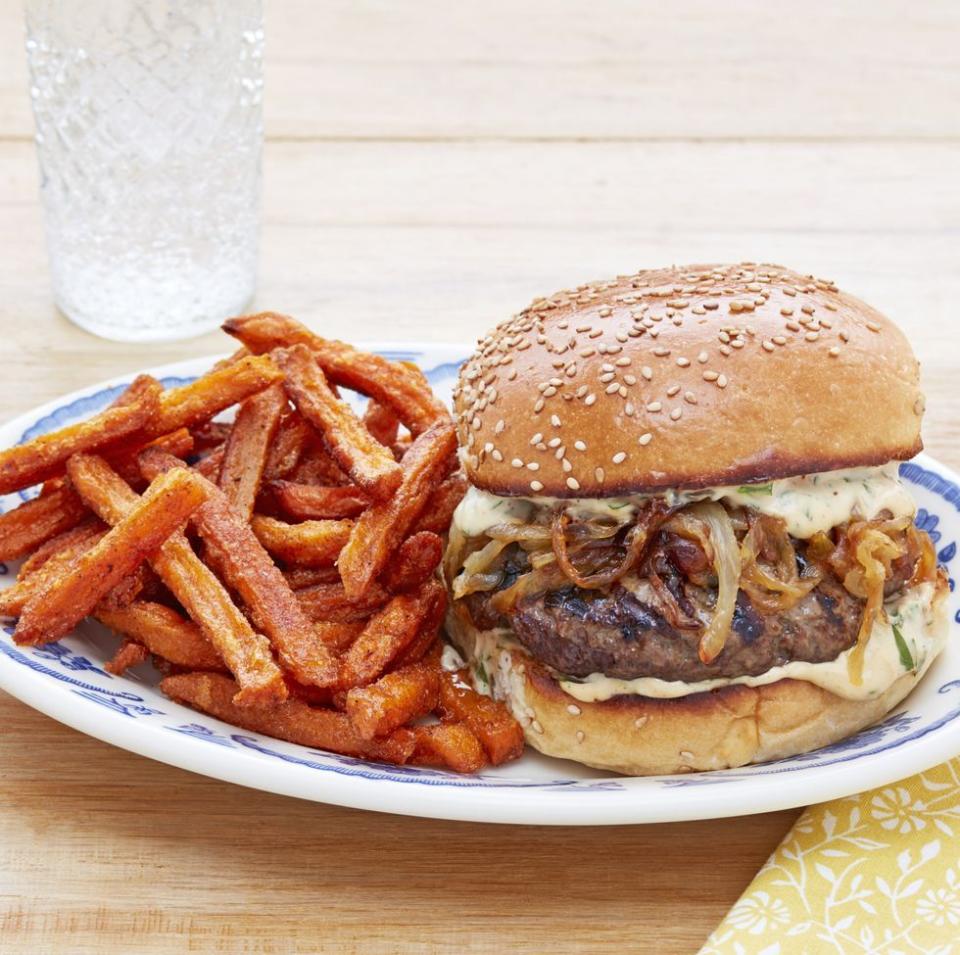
[68, 664]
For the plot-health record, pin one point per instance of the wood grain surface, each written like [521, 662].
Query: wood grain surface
[429, 168]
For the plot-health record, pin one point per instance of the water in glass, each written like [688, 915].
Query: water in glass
[149, 132]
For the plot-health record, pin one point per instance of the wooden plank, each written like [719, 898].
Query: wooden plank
[104, 852]
[574, 69]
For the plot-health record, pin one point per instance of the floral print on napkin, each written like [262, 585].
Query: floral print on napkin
[874, 873]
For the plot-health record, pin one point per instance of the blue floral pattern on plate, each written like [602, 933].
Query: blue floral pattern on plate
[76, 663]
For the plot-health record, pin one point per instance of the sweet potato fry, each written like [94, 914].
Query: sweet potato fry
[129, 654]
[310, 543]
[129, 589]
[441, 504]
[209, 434]
[293, 720]
[298, 577]
[179, 443]
[368, 462]
[305, 502]
[390, 383]
[489, 720]
[248, 569]
[42, 575]
[245, 453]
[389, 632]
[381, 422]
[209, 465]
[246, 653]
[165, 506]
[329, 601]
[415, 561]
[293, 436]
[317, 467]
[425, 643]
[45, 457]
[34, 522]
[89, 528]
[448, 746]
[380, 529]
[393, 700]
[163, 632]
[187, 406]
[336, 635]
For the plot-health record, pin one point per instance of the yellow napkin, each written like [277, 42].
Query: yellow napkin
[877, 873]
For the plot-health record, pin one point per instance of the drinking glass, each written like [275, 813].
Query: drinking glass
[149, 133]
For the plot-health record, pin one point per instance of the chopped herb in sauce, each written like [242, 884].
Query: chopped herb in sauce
[766, 489]
[906, 658]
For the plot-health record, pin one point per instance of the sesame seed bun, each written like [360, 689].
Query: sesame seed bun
[686, 377]
[721, 729]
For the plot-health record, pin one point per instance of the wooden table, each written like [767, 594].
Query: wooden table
[428, 170]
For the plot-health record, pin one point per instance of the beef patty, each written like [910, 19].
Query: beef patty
[620, 633]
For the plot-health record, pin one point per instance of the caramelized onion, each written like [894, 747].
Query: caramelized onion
[710, 524]
[647, 521]
[777, 591]
[473, 577]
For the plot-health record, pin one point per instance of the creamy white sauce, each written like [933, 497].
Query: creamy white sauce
[807, 504]
[922, 625]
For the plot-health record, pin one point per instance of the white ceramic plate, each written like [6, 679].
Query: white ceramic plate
[66, 680]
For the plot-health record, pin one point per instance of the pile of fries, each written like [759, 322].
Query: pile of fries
[280, 570]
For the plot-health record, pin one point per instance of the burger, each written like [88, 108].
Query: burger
[685, 545]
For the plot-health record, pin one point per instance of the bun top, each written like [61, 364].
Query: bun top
[686, 377]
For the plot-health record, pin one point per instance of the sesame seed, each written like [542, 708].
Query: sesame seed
[661, 352]
[607, 376]
[703, 357]
[554, 443]
[646, 438]
[812, 336]
[683, 362]
[786, 312]
[767, 346]
[623, 362]
[672, 390]
[555, 420]
[722, 381]
[496, 455]
[641, 721]
[710, 376]
[655, 406]
[537, 438]
[606, 366]
[793, 326]
[580, 445]
[599, 474]
[560, 452]
[573, 484]
[619, 457]
[829, 306]
[630, 379]
[573, 709]
[605, 312]
[843, 336]
[873, 326]
[536, 726]
[549, 392]
[779, 340]
[587, 352]
[690, 397]
[647, 372]
[536, 486]
[834, 351]
[807, 309]
[533, 466]
[565, 464]
[580, 736]
[676, 413]
[538, 406]
[517, 463]
[612, 387]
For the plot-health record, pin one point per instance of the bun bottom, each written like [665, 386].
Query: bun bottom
[644, 736]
